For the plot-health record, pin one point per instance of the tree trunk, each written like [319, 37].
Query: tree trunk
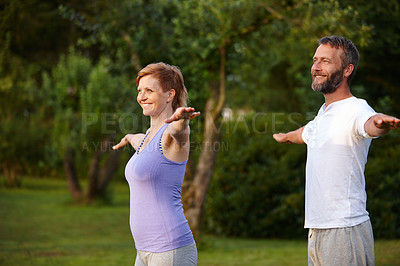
[100, 176]
[94, 170]
[11, 173]
[70, 172]
[108, 171]
[194, 197]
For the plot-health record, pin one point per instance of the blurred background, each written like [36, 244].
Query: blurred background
[68, 94]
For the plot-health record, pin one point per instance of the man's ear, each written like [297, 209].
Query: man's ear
[348, 70]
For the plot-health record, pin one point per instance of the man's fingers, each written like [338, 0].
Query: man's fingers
[281, 138]
[278, 137]
[388, 122]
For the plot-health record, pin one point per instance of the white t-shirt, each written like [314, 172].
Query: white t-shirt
[337, 149]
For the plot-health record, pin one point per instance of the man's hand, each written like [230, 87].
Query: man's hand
[386, 121]
[381, 124]
[290, 137]
[281, 138]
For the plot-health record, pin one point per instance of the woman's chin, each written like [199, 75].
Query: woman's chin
[147, 112]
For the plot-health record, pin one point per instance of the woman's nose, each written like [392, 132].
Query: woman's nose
[141, 96]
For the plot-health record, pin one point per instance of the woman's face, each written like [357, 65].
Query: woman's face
[151, 97]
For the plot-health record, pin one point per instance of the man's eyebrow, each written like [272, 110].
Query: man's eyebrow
[322, 58]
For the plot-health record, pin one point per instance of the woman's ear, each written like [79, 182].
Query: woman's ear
[171, 95]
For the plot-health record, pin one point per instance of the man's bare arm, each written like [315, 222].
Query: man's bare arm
[290, 137]
[380, 124]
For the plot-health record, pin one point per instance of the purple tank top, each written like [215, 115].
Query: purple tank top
[157, 221]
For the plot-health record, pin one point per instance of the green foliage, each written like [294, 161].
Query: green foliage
[380, 82]
[268, 43]
[87, 102]
[269, 69]
[37, 32]
[203, 29]
[91, 109]
[22, 133]
[258, 185]
[269, 49]
[64, 87]
[383, 185]
[131, 33]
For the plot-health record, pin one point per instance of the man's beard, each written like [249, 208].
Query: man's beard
[330, 85]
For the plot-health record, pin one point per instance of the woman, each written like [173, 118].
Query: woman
[155, 172]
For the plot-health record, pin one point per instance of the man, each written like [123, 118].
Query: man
[338, 139]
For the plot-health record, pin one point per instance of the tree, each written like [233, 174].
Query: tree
[257, 182]
[86, 101]
[214, 34]
[129, 35]
[377, 81]
[205, 32]
[210, 40]
[380, 84]
[28, 45]
[21, 130]
[37, 33]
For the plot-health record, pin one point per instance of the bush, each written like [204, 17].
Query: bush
[258, 185]
[382, 174]
[23, 134]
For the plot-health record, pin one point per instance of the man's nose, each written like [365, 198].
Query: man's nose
[316, 66]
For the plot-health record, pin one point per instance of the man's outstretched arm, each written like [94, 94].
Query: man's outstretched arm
[380, 124]
[290, 137]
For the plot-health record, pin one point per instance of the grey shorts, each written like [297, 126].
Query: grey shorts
[183, 256]
[341, 246]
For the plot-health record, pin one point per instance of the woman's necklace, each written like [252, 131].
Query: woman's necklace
[148, 132]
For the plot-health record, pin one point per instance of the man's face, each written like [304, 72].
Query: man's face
[327, 70]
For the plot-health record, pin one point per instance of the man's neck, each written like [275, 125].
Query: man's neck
[343, 92]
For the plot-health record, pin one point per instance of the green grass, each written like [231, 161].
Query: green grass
[39, 225]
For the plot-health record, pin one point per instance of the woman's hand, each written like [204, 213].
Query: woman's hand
[187, 113]
[132, 139]
[179, 129]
